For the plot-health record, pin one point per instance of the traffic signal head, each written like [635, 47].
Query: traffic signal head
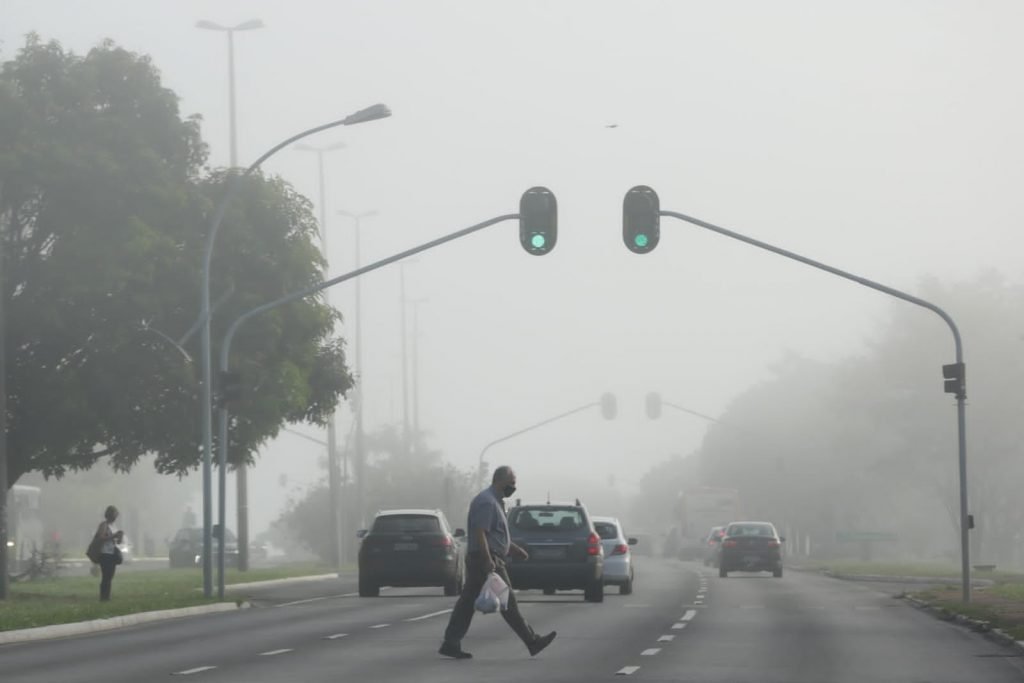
[609, 406]
[955, 375]
[653, 405]
[538, 221]
[641, 219]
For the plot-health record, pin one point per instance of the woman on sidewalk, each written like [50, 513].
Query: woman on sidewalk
[109, 552]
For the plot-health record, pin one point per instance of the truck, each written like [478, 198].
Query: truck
[699, 509]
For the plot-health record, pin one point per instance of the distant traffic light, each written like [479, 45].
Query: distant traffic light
[641, 219]
[538, 221]
[609, 406]
[230, 387]
[653, 405]
[955, 375]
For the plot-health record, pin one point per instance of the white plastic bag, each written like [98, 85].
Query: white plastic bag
[493, 595]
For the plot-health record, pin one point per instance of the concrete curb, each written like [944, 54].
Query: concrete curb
[882, 578]
[124, 621]
[981, 626]
[284, 582]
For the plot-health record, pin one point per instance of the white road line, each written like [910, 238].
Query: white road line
[308, 600]
[272, 653]
[650, 652]
[679, 625]
[380, 626]
[428, 616]
[335, 636]
[666, 638]
[690, 614]
[627, 671]
[189, 672]
[350, 595]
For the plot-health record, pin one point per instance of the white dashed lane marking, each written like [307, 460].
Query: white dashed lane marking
[429, 616]
[189, 672]
[627, 671]
[690, 614]
[335, 636]
[380, 626]
[666, 638]
[650, 652]
[273, 653]
[679, 625]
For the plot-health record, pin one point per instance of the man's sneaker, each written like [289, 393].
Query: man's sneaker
[540, 643]
[454, 651]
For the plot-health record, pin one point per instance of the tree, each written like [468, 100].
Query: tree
[104, 202]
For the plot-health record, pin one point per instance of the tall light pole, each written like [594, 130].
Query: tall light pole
[232, 184]
[3, 430]
[250, 25]
[416, 372]
[405, 361]
[360, 458]
[333, 480]
[241, 474]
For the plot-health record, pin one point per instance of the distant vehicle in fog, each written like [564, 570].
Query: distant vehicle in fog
[751, 547]
[712, 545]
[699, 509]
[618, 558]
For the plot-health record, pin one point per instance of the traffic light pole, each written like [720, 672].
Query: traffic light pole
[961, 394]
[556, 418]
[225, 348]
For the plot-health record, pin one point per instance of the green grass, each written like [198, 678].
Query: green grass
[69, 599]
[921, 569]
[1002, 604]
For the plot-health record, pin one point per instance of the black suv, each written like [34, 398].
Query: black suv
[565, 550]
[750, 547]
[410, 548]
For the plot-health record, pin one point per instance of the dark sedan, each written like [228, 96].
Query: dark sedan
[410, 548]
[750, 547]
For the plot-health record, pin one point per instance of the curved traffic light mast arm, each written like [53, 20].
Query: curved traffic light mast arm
[961, 394]
[692, 412]
[225, 347]
[542, 423]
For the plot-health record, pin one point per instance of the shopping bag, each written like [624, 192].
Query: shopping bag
[493, 596]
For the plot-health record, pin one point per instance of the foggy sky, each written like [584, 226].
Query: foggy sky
[880, 137]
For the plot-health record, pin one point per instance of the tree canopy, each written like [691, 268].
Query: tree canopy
[105, 198]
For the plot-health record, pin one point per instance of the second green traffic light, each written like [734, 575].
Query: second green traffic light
[641, 219]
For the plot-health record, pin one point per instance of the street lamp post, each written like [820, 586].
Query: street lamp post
[333, 479]
[416, 372]
[357, 218]
[405, 362]
[373, 113]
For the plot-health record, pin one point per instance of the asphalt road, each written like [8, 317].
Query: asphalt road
[682, 624]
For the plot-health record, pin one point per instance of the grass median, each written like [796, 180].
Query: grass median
[64, 600]
[1002, 604]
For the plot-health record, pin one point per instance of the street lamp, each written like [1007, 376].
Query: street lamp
[358, 445]
[250, 25]
[333, 483]
[372, 113]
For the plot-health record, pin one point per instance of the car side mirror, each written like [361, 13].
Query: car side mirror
[631, 541]
[460, 533]
[361, 533]
[782, 539]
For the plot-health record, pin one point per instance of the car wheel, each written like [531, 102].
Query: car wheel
[777, 573]
[594, 592]
[722, 572]
[367, 588]
[549, 591]
[626, 588]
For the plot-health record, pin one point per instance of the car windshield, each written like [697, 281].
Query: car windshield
[406, 524]
[547, 519]
[606, 530]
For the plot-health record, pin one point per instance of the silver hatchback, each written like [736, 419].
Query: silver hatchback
[618, 558]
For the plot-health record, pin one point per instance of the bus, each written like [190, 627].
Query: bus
[24, 525]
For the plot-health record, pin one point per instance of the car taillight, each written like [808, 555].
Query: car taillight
[773, 544]
[593, 544]
[621, 549]
[445, 542]
[729, 543]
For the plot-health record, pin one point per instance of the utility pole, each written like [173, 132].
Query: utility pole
[3, 428]
[405, 362]
[416, 373]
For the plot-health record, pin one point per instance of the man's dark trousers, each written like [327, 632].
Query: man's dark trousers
[462, 615]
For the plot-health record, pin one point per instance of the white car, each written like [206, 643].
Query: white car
[618, 558]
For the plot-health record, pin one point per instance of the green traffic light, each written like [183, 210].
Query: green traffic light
[640, 240]
[538, 241]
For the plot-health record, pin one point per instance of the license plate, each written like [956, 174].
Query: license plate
[549, 553]
[407, 546]
[751, 559]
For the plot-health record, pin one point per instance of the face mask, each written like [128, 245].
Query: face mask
[509, 490]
